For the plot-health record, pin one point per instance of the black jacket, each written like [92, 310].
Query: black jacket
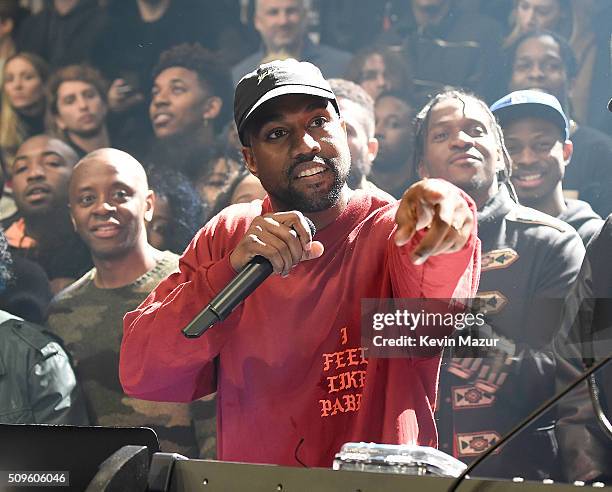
[462, 51]
[581, 217]
[37, 384]
[62, 40]
[529, 262]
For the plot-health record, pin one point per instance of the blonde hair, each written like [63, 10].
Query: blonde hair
[12, 130]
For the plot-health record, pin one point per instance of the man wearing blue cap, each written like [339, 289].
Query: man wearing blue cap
[293, 378]
[537, 137]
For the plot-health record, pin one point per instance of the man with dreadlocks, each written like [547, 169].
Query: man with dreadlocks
[527, 257]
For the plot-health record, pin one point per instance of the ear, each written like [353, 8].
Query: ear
[249, 160]
[372, 148]
[74, 226]
[568, 150]
[150, 206]
[212, 108]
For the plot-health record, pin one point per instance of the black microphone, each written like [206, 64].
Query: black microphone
[249, 278]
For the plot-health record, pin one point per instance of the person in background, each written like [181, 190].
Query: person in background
[393, 170]
[543, 60]
[446, 47]
[529, 263]
[244, 188]
[43, 232]
[25, 291]
[540, 15]
[216, 174]
[64, 32]
[37, 384]
[187, 106]
[23, 101]
[10, 16]
[378, 69]
[357, 110]
[178, 213]
[590, 42]
[282, 26]
[110, 202]
[536, 132]
[77, 108]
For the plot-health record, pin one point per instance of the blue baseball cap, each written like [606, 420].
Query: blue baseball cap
[530, 103]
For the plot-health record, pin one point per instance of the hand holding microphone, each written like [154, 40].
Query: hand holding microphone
[274, 243]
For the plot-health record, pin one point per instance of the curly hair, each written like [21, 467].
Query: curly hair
[188, 211]
[213, 75]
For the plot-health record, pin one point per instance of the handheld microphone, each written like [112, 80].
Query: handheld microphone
[222, 305]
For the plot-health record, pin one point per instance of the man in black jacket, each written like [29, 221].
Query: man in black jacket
[528, 258]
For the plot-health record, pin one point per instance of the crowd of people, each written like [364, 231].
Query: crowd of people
[128, 127]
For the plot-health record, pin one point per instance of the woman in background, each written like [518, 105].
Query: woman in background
[23, 101]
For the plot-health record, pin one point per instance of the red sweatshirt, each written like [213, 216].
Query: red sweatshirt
[291, 376]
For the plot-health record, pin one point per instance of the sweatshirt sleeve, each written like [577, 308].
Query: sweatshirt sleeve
[157, 362]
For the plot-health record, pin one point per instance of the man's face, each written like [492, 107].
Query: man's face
[80, 108]
[178, 102]
[299, 152]
[539, 156]
[41, 172]
[375, 78]
[538, 65]
[394, 132]
[281, 23]
[22, 84]
[109, 202]
[461, 147]
[362, 144]
[534, 15]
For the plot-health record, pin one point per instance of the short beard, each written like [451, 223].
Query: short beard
[309, 204]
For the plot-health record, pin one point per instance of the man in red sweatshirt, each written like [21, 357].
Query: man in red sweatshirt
[293, 379]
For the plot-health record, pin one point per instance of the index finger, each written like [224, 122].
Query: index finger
[297, 222]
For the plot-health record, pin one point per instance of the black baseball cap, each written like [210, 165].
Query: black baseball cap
[521, 104]
[274, 79]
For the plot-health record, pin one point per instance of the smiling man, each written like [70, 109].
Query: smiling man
[538, 141]
[110, 202]
[43, 233]
[527, 258]
[273, 361]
